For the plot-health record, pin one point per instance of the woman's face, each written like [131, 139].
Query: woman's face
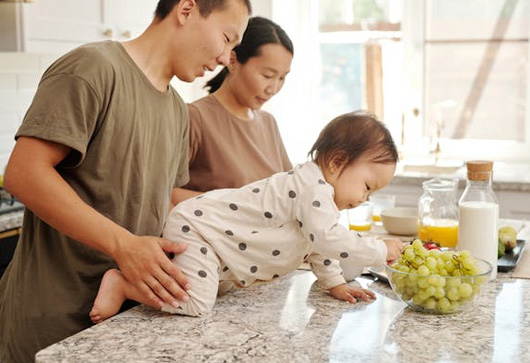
[261, 77]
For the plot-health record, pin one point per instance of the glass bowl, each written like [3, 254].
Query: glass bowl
[437, 294]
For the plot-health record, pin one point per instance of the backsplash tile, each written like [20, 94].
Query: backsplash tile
[19, 76]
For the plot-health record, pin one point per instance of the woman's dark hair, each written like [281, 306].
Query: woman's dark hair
[206, 7]
[260, 31]
[352, 135]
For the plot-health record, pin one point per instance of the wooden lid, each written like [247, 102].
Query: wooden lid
[479, 169]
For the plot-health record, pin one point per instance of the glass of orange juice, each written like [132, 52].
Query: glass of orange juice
[442, 231]
[380, 202]
[360, 217]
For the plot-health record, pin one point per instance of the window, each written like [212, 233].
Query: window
[472, 96]
[447, 76]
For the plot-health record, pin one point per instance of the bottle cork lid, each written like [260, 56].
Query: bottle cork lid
[479, 169]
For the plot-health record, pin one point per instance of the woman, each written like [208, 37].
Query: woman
[232, 141]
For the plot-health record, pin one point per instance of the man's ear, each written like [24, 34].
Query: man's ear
[232, 63]
[184, 9]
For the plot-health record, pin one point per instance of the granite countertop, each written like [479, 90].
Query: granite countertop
[293, 320]
[11, 220]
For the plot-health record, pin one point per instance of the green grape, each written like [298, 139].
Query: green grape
[423, 283]
[430, 304]
[430, 262]
[439, 293]
[409, 255]
[436, 281]
[423, 270]
[465, 290]
[430, 290]
[417, 244]
[435, 253]
[453, 294]
[449, 266]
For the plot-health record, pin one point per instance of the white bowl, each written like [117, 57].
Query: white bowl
[401, 221]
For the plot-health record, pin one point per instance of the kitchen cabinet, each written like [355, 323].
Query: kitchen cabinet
[57, 26]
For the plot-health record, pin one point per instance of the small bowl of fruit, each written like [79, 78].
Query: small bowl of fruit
[435, 281]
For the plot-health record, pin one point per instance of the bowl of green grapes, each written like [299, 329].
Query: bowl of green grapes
[437, 282]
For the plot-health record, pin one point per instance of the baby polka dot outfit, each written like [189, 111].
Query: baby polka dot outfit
[262, 231]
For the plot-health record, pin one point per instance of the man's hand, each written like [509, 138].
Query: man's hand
[144, 262]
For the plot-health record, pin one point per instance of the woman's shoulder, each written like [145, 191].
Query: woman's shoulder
[203, 109]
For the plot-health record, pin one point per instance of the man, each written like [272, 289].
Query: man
[100, 148]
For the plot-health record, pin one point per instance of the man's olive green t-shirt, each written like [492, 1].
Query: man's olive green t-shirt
[129, 146]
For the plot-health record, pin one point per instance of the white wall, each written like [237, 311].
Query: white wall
[21, 72]
[19, 77]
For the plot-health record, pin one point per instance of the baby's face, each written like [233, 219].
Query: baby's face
[358, 180]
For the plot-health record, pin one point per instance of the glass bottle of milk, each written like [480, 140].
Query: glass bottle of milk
[478, 214]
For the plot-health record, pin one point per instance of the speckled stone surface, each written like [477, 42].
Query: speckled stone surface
[293, 320]
[11, 220]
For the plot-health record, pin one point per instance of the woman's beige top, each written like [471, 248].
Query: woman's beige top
[228, 152]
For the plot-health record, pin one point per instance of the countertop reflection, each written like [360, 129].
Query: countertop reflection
[293, 320]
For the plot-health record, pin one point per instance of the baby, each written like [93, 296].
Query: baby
[266, 229]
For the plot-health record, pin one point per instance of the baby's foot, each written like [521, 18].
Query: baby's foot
[110, 297]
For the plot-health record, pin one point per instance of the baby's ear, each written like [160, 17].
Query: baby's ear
[338, 161]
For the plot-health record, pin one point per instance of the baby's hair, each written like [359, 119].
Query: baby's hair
[351, 135]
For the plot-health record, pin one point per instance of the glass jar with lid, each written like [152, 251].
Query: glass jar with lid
[438, 212]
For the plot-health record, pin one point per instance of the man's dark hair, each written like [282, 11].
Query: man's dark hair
[206, 7]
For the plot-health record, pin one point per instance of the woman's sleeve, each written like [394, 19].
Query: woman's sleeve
[194, 132]
[286, 163]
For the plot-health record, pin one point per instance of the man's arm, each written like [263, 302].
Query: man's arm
[31, 177]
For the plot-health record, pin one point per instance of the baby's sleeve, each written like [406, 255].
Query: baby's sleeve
[333, 244]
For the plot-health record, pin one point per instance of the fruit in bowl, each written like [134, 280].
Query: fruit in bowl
[437, 282]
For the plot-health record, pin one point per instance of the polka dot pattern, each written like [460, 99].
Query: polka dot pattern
[253, 257]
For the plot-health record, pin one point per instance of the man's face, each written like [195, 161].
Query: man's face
[210, 39]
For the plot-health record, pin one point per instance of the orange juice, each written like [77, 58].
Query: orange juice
[443, 232]
[360, 227]
[376, 218]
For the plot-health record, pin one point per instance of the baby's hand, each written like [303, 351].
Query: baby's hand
[394, 247]
[351, 294]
